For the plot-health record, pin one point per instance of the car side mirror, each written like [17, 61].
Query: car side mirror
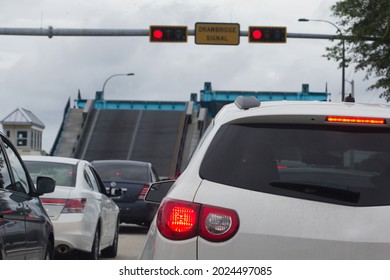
[157, 191]
[45, 185]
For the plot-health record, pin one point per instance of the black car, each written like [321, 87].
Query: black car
[26, 231]
[134, 178]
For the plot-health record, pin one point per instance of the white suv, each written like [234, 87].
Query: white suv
[281, 180]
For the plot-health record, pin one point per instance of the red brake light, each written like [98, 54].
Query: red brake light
[75, 205]
[179, 220]
[53, 201]
[143, 192]
[359, 120]
[182, 219]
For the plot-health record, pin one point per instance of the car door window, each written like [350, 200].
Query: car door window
[91, 179]
[88, 179]
[21, 179]
[5, 178]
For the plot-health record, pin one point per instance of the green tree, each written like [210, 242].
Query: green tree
[366, 25]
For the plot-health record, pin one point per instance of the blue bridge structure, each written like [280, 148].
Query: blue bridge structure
[164, 133]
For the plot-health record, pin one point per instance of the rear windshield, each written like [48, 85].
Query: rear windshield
[64, 174]
[122, 172]
[334, 164]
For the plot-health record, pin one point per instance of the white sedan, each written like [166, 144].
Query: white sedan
[84, 216]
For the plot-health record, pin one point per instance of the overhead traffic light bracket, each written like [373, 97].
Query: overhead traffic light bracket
[168, 34]
[267, 34]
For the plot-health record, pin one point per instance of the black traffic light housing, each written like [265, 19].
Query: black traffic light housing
[168, 34]
[267, 34]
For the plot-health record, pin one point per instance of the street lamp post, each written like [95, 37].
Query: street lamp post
[112, 76]
[343, 52]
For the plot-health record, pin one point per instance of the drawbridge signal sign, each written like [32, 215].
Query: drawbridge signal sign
[217, 33]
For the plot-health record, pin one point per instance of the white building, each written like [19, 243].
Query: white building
[25, 131]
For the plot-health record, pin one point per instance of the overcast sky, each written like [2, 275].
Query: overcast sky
[41, 74]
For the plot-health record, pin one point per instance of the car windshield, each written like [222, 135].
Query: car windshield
[122, 172]
[334, 164]
[64, 174]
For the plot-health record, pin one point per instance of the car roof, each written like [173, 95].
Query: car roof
[303, 109]
[52, 159]
[122, 162]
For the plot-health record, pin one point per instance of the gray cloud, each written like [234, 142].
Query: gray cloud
[40, 74]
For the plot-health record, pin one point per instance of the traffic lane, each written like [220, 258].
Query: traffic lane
[131, 241]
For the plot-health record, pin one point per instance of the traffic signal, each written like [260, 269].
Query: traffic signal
[168, 34]
[267, 34]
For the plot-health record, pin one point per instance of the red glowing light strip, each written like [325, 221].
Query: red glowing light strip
[359, 120]
[282, 166]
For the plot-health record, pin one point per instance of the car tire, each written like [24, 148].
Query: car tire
[94, 254]
[111, 252]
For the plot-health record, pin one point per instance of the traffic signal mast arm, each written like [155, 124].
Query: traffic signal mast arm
[50, 32]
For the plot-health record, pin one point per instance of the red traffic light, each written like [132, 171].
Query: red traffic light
[157, 34]
[267, 34]
[256, 34]
[168, 34]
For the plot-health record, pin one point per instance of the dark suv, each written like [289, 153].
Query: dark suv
[134, 178]
[26, 231]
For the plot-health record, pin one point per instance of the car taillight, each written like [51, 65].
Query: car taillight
[179, 220]
[53, 201]
[75, 205]
[143, 192]
[218, 224]
[359, 120]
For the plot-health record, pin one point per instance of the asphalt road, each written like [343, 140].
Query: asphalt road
[131, 241]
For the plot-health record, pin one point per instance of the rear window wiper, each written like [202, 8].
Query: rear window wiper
[319, 190]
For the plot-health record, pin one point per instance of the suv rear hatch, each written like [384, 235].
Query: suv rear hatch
[300, 190]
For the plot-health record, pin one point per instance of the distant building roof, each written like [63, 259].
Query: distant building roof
[22, 116]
